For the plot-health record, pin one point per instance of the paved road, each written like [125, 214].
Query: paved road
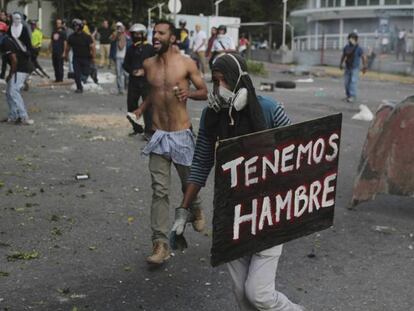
[92, 236]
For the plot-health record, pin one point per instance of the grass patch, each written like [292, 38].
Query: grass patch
[256, 68]
[23, 256]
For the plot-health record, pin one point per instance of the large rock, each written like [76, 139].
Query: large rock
[387, 161]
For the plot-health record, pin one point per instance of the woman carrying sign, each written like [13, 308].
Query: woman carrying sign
[235, 110]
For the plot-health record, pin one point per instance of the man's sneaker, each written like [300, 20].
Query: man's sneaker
[79, 91]
[160, 253]
[350, 99]
[136, 123]
[199, 221]
[26, 121]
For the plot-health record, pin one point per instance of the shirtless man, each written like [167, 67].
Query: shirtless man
[169, 74]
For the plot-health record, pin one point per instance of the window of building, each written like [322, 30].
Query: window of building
[374, 2]
[390, 2]
[362, 2]
[406, 2]
[350, 3]
[330, 3]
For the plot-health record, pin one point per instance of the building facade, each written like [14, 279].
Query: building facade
[376, 21]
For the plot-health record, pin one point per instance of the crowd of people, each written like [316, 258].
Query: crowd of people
[160, 74]
[121, 47]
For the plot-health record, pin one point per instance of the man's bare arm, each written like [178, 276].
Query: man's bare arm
[195, 77]
[144, 106]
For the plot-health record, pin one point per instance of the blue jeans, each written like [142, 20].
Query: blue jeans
[351, 77]
[120, 75]
[14, 99]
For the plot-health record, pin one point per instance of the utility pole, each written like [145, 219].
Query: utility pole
[217, 6]
[149, 14]
[284, 24]
[160, 10]
[40, 15]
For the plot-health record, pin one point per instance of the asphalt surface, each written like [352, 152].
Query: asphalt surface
[90, 238]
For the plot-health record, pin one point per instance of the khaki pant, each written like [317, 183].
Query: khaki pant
[160, 169]
[105, 48]
[201, 61]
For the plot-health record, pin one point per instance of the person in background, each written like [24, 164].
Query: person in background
[199, 48]
[19, 62]
[37, 39]
[57, 48]
[183, 40]
[243, 45]
[410, 42]
[401, 45]
[121, 45]
[222, 44]
[68, 31]
[105, 33]
[4, 19]
[138, 86]
[83, 48]
[352, 55]
[86, 27]
[213, 36]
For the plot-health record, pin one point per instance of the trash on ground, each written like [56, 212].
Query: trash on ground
[267, 86]
[384, 229]
[82, 176]
[364, 114]
[309, 80]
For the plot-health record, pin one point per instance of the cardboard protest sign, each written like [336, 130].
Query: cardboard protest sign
[274, 186]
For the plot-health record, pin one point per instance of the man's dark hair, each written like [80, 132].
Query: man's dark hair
[353, 35]
[171, 26]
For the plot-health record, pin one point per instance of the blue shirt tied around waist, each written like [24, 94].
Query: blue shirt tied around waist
[178, 146]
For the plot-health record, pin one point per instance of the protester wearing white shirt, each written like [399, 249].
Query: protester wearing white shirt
[199, 46]
[223, 43]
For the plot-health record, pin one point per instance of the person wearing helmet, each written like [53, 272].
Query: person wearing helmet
[230, 114]
[83, 48]
[135, 56]
[19, 62]
[352, 55]
[222, 44]
[57, 48]
[183, 40]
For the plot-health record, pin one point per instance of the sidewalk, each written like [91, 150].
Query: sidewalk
[334, 71]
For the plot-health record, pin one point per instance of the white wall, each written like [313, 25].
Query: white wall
[207, 22]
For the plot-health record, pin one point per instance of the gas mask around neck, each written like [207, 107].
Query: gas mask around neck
[223, 98]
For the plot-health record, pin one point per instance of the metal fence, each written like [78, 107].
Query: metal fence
[334, 41]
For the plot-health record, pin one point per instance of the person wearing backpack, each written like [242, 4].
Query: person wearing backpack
[222, 44]
[352, 55]
[20, 67]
